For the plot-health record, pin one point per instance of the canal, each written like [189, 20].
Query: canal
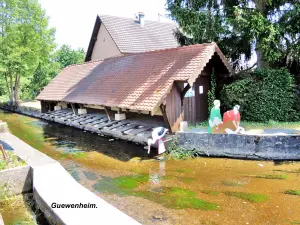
[194, 191]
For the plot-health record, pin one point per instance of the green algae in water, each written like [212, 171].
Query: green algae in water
[179, 192]
[273, 176]
[107, 185]
[175, 201]
[90, 175]
[295, 222]
[292, 192]
[183, 170]
[232, 183]
[186, 179]
[130, 182]
[120, 185]
[209, 192]
[248, 196]
[171, 197]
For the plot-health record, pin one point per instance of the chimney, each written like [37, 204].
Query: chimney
[141, 19]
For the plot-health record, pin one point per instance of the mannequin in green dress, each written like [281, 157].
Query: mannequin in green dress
[215, 116]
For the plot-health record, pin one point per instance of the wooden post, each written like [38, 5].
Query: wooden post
[164, 113]
[106, 110]
[73, 108]
[3, 153]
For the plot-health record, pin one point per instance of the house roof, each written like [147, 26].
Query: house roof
[138, 81]
[131, 37]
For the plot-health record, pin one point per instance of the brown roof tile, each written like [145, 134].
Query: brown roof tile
[130, 37]
[139, 81]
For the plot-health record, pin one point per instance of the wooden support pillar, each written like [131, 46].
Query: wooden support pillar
[73, 108]
[184, 91]
[107, 114]
[164, 113]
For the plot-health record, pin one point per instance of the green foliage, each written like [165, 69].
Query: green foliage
[174, 151]
[241, 26]
[66, 56]
[211, 94]
[13, 161]
[25, 41]
[263, 95]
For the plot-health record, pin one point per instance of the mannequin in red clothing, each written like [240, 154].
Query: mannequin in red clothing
[233, 115]
[231, 122]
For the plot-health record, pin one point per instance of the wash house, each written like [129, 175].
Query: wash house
[166, 86]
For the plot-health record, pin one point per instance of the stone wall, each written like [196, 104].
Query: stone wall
[242, 146]
[16, 180]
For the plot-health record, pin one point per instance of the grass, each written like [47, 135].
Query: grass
[13, 161]
[248, 196]
[273, 176]
[292, 192]
[257, 125]
[176, 152]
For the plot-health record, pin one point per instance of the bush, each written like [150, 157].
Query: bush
[263, 95]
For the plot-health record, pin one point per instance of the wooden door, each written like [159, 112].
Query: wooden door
[201, 98]
[189, 106]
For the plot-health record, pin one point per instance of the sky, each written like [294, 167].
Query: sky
[74, 19]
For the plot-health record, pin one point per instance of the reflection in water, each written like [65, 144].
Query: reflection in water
[71, 138]
[169, 192]
[155, 177]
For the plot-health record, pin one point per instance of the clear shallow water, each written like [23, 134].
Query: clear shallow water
[196, 191]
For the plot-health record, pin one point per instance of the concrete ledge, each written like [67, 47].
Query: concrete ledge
[17, 180]
[1, 220]
[266, 147]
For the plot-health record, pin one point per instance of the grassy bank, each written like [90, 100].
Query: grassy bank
[256, 125]
[13, 161]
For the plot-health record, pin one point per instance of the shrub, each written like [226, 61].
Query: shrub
[263, 95]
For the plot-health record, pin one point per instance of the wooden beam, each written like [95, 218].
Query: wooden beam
[164, 113]
[107, 114]
[3, 153]
[184, 91]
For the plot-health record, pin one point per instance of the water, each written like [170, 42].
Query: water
[196, 191]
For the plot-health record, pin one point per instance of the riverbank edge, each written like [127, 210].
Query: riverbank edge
[35, 113]
[253, 147]
[53, 184]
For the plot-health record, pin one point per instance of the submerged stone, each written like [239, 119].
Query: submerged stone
[90, 175]
[209, 192]
[232, 183]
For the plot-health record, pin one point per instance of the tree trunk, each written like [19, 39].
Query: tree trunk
[261, 63]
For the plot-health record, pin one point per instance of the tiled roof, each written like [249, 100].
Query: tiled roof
[137, 81]
[130, 37]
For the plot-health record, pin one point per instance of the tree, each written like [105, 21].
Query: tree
[25, 42]
[67, 56]
[270, 27]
